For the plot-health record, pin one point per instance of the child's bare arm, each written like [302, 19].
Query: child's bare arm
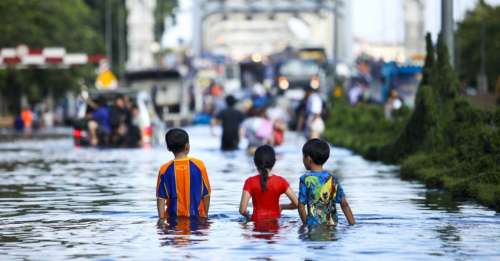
[160, 205]
[293, 199]
[206, 201]
[347, 211]
[213, 123]
[245, 197]
[302, 212]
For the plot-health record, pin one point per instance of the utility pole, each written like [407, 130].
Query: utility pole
[447, 27]
[197, 38]
[335, 38]
[482, 78]
[109, 35]
[335, 52]
[121, 41]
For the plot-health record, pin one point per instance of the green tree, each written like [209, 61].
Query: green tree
[430, 60]
[118, 25]
[434, 106]
[164, 8]
[470, 40]
[39, 24]
[446, 81]
[417, 134]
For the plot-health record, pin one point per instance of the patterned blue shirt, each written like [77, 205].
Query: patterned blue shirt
[319, 192]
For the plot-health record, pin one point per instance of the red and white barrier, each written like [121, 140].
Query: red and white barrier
[22, 57]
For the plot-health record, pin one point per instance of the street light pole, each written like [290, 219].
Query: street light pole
[447, 28]
[109, 35]
[121, 42]
[197, 38]
[335, 51]
[483, 78]
[335, 39]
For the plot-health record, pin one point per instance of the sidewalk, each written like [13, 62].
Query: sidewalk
[8, 135]
[484, 101]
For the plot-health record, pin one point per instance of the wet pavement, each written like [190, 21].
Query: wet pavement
[61, 202]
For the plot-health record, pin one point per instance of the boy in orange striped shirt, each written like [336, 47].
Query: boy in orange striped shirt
[182, 189]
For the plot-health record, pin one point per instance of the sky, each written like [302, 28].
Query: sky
[386, 17]
[372, 20]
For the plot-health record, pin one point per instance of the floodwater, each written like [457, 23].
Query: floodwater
[60, 202]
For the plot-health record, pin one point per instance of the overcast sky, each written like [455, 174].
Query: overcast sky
[385, 17]
[373, 20]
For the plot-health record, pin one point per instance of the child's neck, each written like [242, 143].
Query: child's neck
[316, 168]
[180, 155]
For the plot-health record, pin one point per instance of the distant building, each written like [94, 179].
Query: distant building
[411, 49]
[140, 34]
[414, 42]
[386, 51]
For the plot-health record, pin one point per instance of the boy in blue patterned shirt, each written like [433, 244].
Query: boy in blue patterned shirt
[319, 191]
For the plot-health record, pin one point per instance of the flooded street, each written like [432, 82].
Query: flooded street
[60, 202]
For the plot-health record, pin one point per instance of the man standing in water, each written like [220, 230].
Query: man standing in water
[315, 125]
[230, 119]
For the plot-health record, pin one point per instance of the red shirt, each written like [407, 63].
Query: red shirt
[266, 205]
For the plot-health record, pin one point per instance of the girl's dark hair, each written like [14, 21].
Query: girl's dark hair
[264, 158]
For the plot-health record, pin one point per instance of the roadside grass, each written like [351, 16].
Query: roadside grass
[465, 163]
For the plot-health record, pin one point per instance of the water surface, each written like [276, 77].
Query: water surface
[59, 202]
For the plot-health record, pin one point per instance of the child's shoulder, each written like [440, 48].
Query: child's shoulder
[197, 161]
[279, 177]
[322, 175]
[251, 181]
[165, 166]
[253, 177]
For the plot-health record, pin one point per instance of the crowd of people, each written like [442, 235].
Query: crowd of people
[29, 120]
[263, 119]
[386, 83]
[112, 126]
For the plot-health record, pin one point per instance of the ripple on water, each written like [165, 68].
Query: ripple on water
[59, 202]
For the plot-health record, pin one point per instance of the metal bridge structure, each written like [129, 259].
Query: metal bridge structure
[220, 20]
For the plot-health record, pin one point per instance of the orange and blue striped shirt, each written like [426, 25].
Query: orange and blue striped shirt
[183, 183]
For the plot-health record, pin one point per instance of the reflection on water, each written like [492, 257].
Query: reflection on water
[59, 202]
[263, 229]
[180, 231]
[439, 200]
[317, 233]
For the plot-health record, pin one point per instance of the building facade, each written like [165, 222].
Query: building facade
[140, 35]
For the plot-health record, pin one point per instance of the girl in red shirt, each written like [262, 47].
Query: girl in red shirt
[266, 188]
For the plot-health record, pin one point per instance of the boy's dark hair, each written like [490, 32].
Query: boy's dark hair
[176, 140]
[230, 101]
[318, 150]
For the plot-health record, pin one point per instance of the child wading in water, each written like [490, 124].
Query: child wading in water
[265, 188]
[319, 191]
[182, 188]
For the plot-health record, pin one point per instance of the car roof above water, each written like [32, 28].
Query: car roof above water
[111, 94]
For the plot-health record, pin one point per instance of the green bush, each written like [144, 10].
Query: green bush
[445, 142]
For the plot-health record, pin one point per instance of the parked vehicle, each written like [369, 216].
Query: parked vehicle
[172, 93]
[296, 74]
